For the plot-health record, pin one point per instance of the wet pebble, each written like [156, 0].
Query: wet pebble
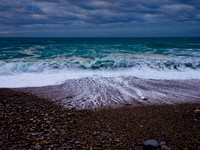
[164, 147]
[162, 143]
[151, 143]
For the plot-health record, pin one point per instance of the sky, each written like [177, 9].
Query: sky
[99, 18]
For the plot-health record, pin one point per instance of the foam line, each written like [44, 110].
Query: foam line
[90, 93]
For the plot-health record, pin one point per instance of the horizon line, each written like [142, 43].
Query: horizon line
[100, 37]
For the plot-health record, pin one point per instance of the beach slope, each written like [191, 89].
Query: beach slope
[28, 121]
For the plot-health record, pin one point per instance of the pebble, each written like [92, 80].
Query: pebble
[117, 140]
[145, 99]
[164, 147]
[162, 143]
[77, 142]
[51, 147]
[80, 133]
[48, 134]
[33, 123]
[94, 133]
[69, 114]
[197, 111]
[48, 121]
[68, 119]
[151, 143]
[51, 118]
[37, 147]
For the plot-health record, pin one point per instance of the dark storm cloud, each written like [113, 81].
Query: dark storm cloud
[18, 12]
[96, 12]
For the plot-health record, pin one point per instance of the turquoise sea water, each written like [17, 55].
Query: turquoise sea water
[48, 61]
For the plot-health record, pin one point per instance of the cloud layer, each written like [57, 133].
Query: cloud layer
[96, 13]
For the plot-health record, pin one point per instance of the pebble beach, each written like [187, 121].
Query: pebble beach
[30, 122]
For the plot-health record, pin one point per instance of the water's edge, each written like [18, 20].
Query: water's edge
[103, 92]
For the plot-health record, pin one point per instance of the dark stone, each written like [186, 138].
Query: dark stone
[150, 144]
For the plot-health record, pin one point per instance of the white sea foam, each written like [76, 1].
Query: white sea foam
[56, 71]
[93, 92]
[54, 77]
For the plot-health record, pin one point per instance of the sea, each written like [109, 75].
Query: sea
[103, 72]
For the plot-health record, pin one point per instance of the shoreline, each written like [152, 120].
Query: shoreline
[92, 93]
[37, 123]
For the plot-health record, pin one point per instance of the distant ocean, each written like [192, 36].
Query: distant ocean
[106, 66]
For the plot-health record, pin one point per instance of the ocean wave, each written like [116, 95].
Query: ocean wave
[114, 62]
[42, 74]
